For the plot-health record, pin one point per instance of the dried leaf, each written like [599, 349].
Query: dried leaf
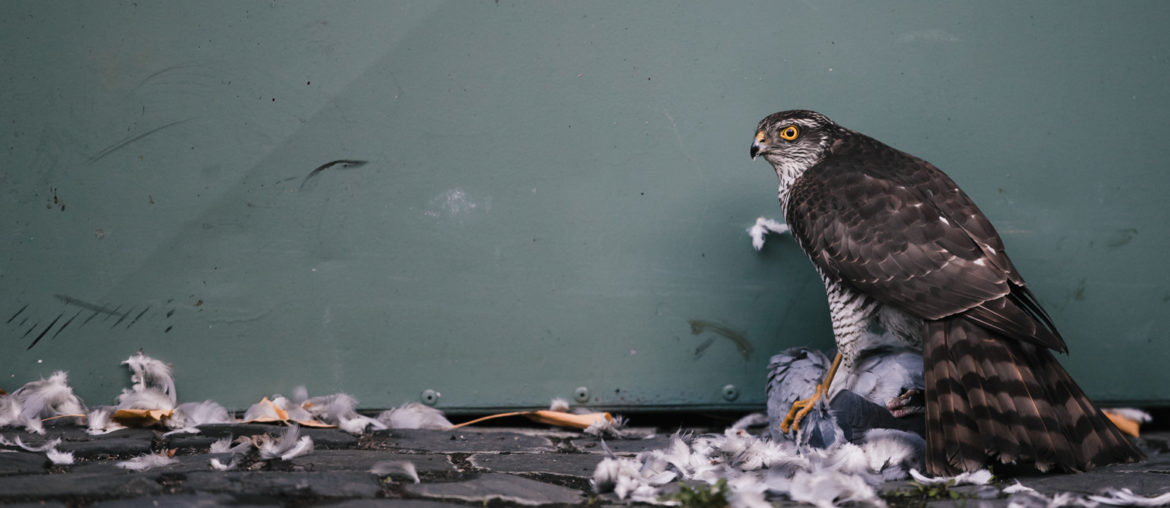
[1127, 425]
[576, 421]
[268, 411]
[141, 417]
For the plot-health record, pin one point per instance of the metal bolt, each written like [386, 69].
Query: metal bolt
[730, 392]
[581, 394]
[430, 397]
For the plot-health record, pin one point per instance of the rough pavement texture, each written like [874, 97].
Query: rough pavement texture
[482, 467]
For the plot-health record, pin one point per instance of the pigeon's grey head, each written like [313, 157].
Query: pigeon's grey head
[793, 141]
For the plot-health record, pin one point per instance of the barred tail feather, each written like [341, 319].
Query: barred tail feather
[993, 400]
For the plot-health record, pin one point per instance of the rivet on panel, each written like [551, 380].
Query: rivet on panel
[430, 397]
[581, 394]
[730, 392]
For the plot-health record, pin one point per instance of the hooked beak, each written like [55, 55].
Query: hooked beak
[758, 144]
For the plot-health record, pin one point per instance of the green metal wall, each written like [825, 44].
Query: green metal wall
[556, 193]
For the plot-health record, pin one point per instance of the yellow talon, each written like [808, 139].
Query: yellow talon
[801, 408]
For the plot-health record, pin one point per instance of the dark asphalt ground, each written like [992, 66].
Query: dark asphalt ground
[493, 466]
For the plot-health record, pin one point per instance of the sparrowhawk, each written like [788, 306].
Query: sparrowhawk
[900, 246]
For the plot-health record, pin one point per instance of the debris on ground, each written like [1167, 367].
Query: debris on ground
[413, 451]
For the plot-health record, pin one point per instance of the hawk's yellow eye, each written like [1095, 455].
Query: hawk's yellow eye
[789, 133]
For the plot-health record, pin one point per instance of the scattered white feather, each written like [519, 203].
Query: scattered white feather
[751, 420]
[358, 424]
[10, 410]
[1022, 496]
[980, 477]
[150, 374]
[828, 488]
[267, 410]
[628, 479]
[748, 491]
[192, 414]
[46, 446]
[232, 465]
[845, 457]
[223, 445]
[261, 411]
[45, 398]
[49, 448]
[58, 457]
[756, 469]
[330, 408]
[285, 447]
[146, 462]
[1029, 498]
[1070, 499]
[893, 453]
[1017, 488]
[303, 446]
[1126, 497]
[341, 409]
[559, 405]
[414, 415]
[144, 398]
[606, 427]
[100, 421]
[34, 425]
[761, 229]
[296, 412]
[391, 467]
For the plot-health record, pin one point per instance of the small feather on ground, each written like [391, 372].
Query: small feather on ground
[146, 462]
[286, 447]
[396, 467]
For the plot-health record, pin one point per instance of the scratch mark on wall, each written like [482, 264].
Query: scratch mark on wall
[29, 321]
[163, 71]
[122, 144]
[64, 326]
[69, 300]
[699, 326]
[17, 314]
[136, 318]
[702, 347]
[123, 318]
[43, 332]
[340, 164]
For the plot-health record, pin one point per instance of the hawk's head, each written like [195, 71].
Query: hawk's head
[793, 141]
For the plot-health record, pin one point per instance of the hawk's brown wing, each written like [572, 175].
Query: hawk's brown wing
[896, 228]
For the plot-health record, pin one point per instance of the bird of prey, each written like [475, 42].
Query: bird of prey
[899, 246]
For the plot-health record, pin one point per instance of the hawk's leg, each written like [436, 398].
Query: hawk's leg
[801, 408]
